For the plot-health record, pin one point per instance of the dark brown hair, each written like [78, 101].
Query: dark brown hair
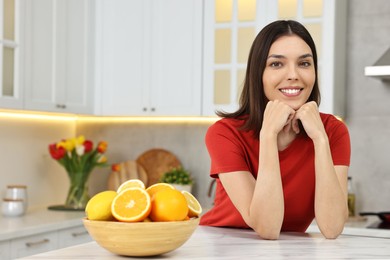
[253, 100]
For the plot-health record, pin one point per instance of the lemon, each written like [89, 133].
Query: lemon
[194, 207]
[99, 206]
[133, 183]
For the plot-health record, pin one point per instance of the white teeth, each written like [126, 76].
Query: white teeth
[290, 91]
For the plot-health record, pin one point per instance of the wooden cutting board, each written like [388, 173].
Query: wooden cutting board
[128, 170]
[156, 162]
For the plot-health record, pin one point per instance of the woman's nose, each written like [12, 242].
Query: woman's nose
[292, 73]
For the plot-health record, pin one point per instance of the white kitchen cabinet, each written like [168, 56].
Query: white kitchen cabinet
[58, 56]
[40, 230]
[11, 53]
[73, 236]
[34, 244]
[149, 57]
[230, 27]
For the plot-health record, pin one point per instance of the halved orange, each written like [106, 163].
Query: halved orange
[131, 205]
[194, 207]
[133, 183]
[153, 189]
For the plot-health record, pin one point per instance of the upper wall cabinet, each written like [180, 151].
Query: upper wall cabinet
[103, 57]
[231, 26]
[58, 57]
[149, 57]
[11, 53]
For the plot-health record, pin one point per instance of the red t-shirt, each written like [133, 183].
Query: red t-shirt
[231, 150]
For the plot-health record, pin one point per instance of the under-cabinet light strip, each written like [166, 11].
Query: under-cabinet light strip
[166, 119]
[15, 114]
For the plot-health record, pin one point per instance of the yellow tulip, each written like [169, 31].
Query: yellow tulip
[66, 144]
[69, 144]
[80, 140]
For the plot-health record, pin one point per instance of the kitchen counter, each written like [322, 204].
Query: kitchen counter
[38, 221]
[40, 230]
[228, 243]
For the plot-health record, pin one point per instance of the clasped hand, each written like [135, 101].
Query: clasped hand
[278, 116]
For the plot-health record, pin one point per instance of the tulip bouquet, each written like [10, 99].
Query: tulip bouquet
[79, 157]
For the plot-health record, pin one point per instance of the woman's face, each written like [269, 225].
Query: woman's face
[289, 74]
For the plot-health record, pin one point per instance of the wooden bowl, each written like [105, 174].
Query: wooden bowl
[141, 238]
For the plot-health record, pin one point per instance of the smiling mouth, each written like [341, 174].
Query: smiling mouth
[291, 91]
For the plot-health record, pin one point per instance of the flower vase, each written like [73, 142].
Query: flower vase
[78, 195]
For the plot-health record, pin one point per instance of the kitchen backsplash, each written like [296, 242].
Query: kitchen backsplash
[24, 158]
[129, 140]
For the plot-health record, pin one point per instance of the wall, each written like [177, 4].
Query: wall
[25, 159]
[368, 109]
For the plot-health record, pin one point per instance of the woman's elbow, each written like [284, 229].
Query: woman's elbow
[268, 235]
[267, 232]
[332, 232]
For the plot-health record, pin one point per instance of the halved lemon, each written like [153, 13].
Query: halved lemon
[131, 205]
[194, 207]
[133, 183]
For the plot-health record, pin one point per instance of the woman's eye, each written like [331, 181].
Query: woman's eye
[305, 64]
[275, 64]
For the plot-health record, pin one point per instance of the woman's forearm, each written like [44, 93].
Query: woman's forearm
[331, 210]
[267, 205]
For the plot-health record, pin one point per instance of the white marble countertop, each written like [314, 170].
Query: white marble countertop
[227, 243]
[38, 221]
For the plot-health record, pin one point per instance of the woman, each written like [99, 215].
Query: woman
[278, 161]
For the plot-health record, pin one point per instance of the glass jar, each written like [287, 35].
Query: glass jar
[13, 207]
[17, 192]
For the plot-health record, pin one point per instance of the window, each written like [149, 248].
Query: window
[234, 32]
[9, 50]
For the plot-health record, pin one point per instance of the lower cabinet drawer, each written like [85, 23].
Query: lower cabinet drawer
[73, 236]
[5, 247]
[34, 244]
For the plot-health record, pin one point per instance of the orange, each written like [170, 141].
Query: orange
[194, 207]
[153, 189]
[131, 205]
[169, 205]
[131, 184]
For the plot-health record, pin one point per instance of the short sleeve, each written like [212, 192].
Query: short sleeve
[226, 152]
[340, 143]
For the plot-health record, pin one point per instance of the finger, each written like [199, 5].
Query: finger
[287, 127]
[295, 125]
[290, 119]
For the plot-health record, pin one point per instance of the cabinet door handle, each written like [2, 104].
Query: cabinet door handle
[63, 106]
[153, 109]
[145, 109]
[36, 243]
[78, 234]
